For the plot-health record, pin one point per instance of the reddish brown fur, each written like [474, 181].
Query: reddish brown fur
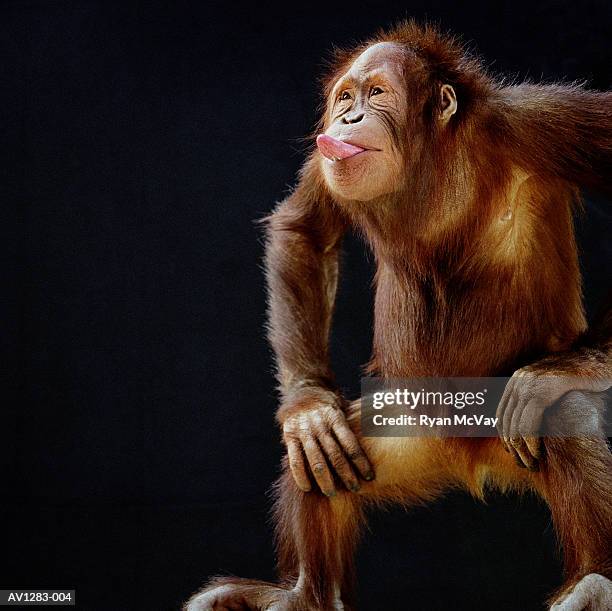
[457, 294]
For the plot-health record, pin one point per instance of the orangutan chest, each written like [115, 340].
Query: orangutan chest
[432, 327]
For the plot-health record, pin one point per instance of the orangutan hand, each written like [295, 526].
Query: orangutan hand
[528, 394]
[320, 443]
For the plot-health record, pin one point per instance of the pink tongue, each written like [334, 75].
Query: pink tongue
[336, 149]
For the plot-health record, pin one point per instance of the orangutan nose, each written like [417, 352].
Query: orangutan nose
[353, 118]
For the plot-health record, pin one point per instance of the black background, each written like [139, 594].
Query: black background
[138, 442]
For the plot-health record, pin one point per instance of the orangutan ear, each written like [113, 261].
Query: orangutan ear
[448, 102]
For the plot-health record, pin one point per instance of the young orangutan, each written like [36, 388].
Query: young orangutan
[463, 188]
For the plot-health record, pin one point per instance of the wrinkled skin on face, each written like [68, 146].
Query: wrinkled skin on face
[366, 107]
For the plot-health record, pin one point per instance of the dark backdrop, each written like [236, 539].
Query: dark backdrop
[138, 441]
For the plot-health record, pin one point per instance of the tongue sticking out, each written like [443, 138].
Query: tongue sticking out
[336, 149]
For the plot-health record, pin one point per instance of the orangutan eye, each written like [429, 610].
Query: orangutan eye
[376, 91]
[345, 95]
